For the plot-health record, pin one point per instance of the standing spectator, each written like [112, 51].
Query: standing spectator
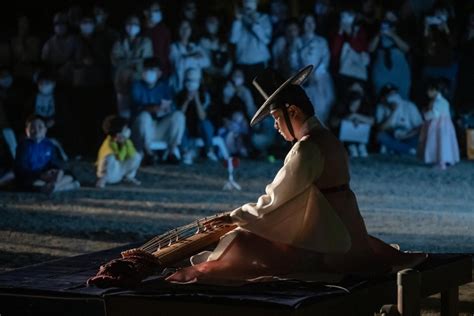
[465, 95]
[285, 49]
[189, 12]
[59, 50]
[11, 98]
[251, 34]
[218, 53]
[194, 101]
[398, 123]
[108, 35]
[185, 54]
[390, 63]
[278, 16]
[155, 118]
[349, 52]
[127, 56]
[438, 142]
[354, 114]
[326, 16]
[439, 48]
[25, 48]
[36, 165]
[89, 82]
[314, 50]
[117, 159]
[159, 34]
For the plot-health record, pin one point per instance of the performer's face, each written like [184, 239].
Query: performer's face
[280, 124]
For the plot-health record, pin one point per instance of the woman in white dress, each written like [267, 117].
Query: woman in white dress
[314, 50]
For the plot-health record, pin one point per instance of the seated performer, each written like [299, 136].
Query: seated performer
[306, 226]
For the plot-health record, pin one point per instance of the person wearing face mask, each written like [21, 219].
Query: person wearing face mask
[159, 34]
[349, 51]
[105, 32]
[127, 57]
[194, 101]
[59, 50]
[217, 51]
[154, 117]
[251, 33]
[185, 54]
[390, 63]
[117, 159]
[398, 122]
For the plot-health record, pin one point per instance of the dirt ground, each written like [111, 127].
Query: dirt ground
[402, 201]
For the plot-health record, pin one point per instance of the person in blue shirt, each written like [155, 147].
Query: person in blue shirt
[154, 117]
[36, 165]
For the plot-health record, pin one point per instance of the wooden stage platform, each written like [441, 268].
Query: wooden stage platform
[58, 288]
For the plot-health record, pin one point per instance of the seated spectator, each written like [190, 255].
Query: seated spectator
[439, 48]
[194, 101]
[59, 50]
[36, 165]
[185, 54]
[117, 160]
[349, 51]
[354, 121]
[52, 107]
[159, 34]
[390, 63]
[127, 57]
[7, 149]
[398, 122]
[154, 117]
[438, 142]
[235, 132]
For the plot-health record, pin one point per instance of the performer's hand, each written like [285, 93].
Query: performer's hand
[224, 220]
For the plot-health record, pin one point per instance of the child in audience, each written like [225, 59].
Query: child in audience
[438, 142]
[36, 164]
[117, 160]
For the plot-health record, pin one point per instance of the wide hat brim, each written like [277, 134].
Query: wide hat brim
[264, 110]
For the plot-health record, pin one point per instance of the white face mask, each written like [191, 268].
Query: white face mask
[250, 5]
[394, 98]
[150, 77]
[46, 88]
[192, 86]
[133, 30]
[156, 16]
[6, 82]
[126, 133]
[238, 81]
[212, 28]
[347, 18]
[87, 28]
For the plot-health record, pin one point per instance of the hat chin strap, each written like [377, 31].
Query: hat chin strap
[288, 124]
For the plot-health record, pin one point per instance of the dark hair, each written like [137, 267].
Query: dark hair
[34, 117]
[46, 75]
[113, 124]
[295, 94]
[151, 62]
[386, 90]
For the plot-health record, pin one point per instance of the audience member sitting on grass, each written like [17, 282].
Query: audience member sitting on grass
[117, 160]
[36, 165]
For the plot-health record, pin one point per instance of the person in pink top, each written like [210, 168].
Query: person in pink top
[307, 225]
[438, 143]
